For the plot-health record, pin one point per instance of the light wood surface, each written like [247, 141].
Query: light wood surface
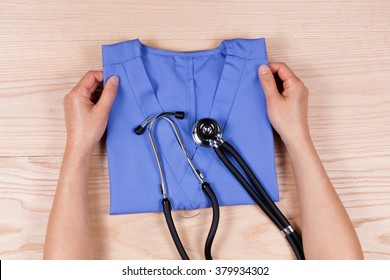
[341, 49]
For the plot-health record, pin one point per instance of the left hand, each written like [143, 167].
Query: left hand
[86, 121]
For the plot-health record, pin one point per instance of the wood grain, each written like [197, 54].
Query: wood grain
[341, 49]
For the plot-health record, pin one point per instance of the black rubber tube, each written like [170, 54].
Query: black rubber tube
[300, 254]
[264, 195]
[247, 186]
[214, 224]
[268, 206]
[256, 183]
[298, 251]
[213, 229]
[172, 229]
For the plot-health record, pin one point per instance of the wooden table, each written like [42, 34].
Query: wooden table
[341, 49]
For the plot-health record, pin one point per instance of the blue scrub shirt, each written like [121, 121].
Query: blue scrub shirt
[220, 83]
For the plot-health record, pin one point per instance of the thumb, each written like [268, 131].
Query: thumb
[268, 83]
[108, 95]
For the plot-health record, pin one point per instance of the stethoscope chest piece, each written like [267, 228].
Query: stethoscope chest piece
[206, 132]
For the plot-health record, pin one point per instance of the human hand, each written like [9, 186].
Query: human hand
[287, 110]
[85, 120]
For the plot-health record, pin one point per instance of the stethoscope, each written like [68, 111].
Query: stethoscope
[208, 133]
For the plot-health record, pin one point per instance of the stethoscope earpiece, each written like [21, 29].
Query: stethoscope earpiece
[141, 128]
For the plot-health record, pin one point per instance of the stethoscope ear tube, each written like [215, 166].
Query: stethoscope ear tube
[172, 229]
[214, 224]
[167, 209]
[259, 195]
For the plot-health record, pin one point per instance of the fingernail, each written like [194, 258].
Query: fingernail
[263, 69]
[114, 80]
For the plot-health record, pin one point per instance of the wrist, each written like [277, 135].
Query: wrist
[74, 170]
[78, 150]
[298, 142]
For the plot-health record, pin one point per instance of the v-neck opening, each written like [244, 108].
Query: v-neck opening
[221, 48]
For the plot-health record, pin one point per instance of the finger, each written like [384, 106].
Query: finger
[285, 74]
[268, 83]
[89, 82]
[108, 95]
[97, 93]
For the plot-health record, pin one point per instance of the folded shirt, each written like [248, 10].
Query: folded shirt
[220, 83]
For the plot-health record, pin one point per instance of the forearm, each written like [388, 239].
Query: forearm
[327, 230]
[68, 233]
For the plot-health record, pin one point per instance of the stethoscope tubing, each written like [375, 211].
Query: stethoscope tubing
[215, 221]
[259, 195]
[167, 209]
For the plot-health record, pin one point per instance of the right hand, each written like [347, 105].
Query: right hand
[86, 121]
[287, 110]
